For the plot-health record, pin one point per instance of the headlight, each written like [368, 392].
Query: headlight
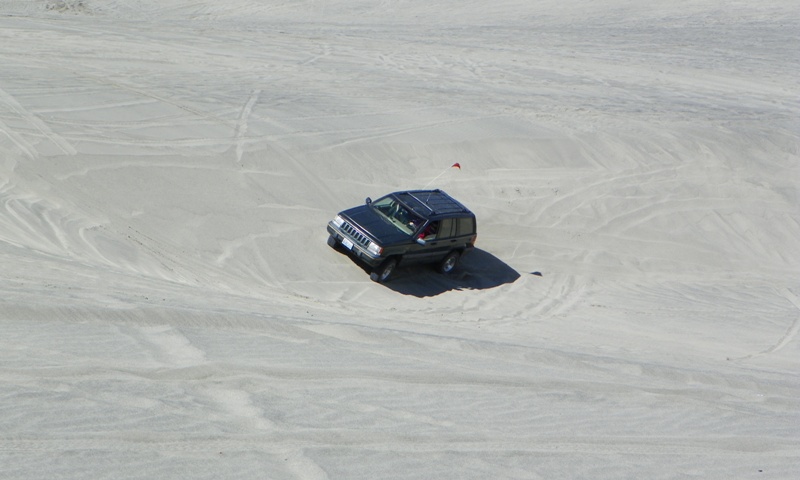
[374, 249]
[338, 221]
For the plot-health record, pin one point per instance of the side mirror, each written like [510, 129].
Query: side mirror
[368, 201]
[421, 241]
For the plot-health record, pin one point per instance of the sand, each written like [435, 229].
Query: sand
[169, 307]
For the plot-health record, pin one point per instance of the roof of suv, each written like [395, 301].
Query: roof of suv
[432, 202]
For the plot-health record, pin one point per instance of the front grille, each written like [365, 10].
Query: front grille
[356, 235]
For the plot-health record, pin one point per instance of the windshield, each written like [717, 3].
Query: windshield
[395, 213]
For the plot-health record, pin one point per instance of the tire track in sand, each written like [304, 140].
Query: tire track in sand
[28, 149]
[790, 334]
[294, 443]
[241, 124]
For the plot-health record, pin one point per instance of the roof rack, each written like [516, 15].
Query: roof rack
[436, 201]
[423, 202]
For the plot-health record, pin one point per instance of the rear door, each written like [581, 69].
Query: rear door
[445, 241]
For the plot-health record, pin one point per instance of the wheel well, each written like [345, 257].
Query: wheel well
[396, 258]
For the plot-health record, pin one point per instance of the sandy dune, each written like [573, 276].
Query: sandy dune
[169, 308]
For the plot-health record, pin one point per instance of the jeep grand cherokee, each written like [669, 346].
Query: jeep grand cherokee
[405, 228]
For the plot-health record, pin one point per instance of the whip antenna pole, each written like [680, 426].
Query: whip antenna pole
[455, 165]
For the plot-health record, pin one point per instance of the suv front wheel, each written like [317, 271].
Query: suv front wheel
[383, 273]
[449, 263]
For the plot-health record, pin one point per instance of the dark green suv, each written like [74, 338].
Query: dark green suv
[405, 228]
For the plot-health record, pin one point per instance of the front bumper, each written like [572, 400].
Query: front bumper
[357, 250]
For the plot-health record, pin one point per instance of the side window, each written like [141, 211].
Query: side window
[466, 226]
[446, 228]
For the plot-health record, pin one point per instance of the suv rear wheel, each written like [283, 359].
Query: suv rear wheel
[383, 273]
[449, 263]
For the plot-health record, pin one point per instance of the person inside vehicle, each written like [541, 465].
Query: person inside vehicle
[429, 232]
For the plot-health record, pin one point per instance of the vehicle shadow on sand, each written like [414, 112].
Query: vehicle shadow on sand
[480, 270]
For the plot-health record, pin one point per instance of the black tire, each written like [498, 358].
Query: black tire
[383, 273]
[332, 242]
[449, 262]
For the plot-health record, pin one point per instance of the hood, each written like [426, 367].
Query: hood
[374, 225]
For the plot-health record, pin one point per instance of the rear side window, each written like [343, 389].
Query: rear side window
[466, 226]
[447, 228]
